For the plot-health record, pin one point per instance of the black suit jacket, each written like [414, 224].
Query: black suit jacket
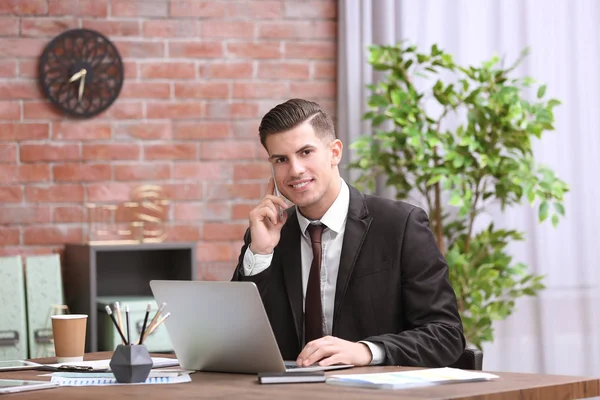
[392, 286]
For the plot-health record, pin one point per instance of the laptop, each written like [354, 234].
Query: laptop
[222, 327]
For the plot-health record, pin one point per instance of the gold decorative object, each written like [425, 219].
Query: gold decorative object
[140, 220]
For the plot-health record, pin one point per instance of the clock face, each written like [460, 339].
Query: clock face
[81, 72]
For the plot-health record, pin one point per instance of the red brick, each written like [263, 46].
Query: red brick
[256, 9]
[325, 30]
[126, 110]
[308, 50]
[232, 110]
[168, 70]
[242, 211]
[108, 192]
[175, 110]
[324, 70]
[145, 90]
[22, 47]
[231, 70]
[218, 271]
[213, 251]
[260, 171]
[227, 29]
[170, 28]
[22, 215]
[259, 90]
[223, 231]
[46, 27]
[184, 191]
[81, 130]
[49, 152]
[261, 152]
[201, 130]
[54, 194]
[254, 50]
[81, 172]
[201, 171]
[23, 7]
[28, 68]
[143, 172]
[283, 70]
[9, 110]
[112, 151]
[188, 211]
[310, 9]
[52, 235]
[140, 49]
[313, 90]
[85, 8]
[8, 68]
[22, 131]
[183, 233]
[140, 8]
[19, 90]
[71, 213]
[179, 151]
[40, 110]
[8, 153]
[197, 8]
[234, 191]
[285, 30]
[229, 150]
[202, 90]
[146, 131]
[9, 26]
[246, 129]
[24, 173]
[196, 49]
[9, 236]
[11, 194]
[113, 28]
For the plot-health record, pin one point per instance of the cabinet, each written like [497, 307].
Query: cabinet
[91, 271]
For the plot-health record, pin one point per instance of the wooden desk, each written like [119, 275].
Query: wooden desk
[206, 385]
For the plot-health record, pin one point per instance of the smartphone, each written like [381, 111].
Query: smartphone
[277, 193]
[17, 365]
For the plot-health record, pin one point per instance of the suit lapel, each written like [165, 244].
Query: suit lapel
[292, 269]
[357, 226]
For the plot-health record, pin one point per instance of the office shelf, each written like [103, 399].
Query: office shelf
[91, 271]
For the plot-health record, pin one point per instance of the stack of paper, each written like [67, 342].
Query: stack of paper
[103, 365]
[410, 379]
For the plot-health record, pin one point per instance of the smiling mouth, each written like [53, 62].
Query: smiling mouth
[301, 184]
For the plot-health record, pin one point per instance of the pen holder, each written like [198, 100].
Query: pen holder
[131, 363]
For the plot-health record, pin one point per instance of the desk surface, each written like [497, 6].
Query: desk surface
[240, 386]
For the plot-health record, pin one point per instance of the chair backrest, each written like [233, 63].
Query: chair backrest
[470, 359]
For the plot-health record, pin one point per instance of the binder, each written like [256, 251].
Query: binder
[43, 283]
[13, 313]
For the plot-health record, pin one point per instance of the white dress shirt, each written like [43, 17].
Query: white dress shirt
[332, 240]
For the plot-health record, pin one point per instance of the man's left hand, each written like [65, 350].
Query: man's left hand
[330, 350]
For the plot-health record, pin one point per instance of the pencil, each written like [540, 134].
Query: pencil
[155, 326]
[127, 321]
[110, 313]
[154, 319]
[118, 311]
[148, 308]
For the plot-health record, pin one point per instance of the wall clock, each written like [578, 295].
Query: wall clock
[81, 72]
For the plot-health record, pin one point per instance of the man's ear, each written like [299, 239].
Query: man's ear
[336, 148]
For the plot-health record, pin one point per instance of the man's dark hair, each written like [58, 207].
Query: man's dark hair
[292, 113]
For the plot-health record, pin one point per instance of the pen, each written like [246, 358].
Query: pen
[167, 315]
[162, 306]
[118, 311]
[141, 339]
[127, 321]
[110, 313]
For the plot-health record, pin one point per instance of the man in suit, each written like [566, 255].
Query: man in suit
[344, 277]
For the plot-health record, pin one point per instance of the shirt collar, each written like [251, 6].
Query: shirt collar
[335, 217]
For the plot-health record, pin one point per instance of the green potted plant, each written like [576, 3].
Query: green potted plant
[460, 139]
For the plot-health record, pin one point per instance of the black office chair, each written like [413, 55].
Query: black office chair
[470, 359]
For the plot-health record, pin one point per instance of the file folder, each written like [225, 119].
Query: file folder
[13, 313]
[43, 282]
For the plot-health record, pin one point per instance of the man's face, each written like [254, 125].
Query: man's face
[305, 168]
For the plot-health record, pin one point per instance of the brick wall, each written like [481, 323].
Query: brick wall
[199, 75]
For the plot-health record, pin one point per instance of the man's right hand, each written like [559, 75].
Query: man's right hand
[265, 224]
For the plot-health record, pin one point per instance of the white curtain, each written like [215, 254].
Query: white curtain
[557, 332]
